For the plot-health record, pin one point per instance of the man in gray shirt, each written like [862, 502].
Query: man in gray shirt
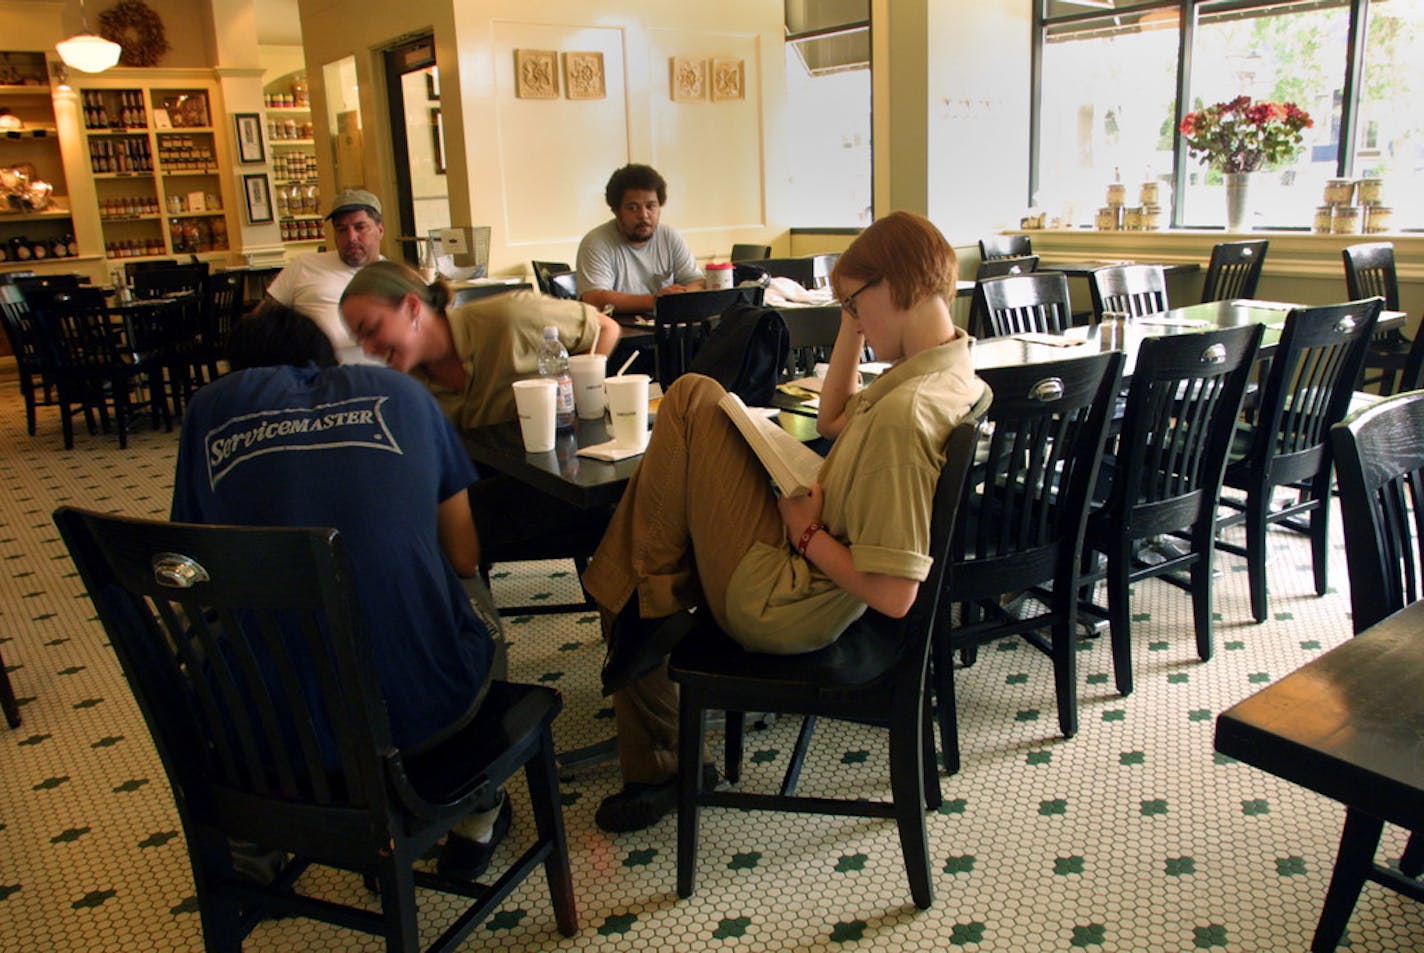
[629, 260]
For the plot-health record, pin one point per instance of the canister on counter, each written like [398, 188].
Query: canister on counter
[1369, 191]
[1377, 218]
[1324, 219]
[1347, 220]
[1339, 191]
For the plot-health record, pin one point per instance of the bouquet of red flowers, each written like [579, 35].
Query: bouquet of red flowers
[1242, 135]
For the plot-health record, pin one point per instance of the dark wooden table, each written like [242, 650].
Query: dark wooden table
[1348, 725]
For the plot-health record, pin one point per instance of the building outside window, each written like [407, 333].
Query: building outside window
[827, 131]
[1110, 101]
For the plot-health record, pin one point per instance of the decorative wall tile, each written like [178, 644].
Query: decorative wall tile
[536, 74]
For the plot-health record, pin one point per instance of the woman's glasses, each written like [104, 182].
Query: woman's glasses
[849, 304]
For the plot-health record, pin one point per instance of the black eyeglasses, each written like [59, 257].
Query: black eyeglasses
[849, 302]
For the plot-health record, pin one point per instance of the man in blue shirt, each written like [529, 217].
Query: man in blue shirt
[292, 439]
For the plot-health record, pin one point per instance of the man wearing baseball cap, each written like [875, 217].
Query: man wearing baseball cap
[312, 283]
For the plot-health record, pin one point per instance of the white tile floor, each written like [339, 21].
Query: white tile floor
[1131, 836]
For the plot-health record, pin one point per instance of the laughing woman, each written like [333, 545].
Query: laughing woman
[700, 526]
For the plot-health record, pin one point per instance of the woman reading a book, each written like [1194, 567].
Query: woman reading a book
[700, 525]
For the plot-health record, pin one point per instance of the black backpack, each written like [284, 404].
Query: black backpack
[745, 352]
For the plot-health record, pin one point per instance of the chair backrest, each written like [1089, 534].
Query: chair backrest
[132, 268]
[245, 652]
[544, 270]
[20, 329]
[1379, 462]
[1181, 415]
[1313, 374]
[476, 292]
[1235, 270]
[995, 268]
[157, 282]
[1033, 302]
[742, 252]
[39, 289]
[222, 307]
[564, 285]
[1369, 271]
[1134, 289]
[1005, 246]
[78, 335]
[1024, 511]
[681, 323]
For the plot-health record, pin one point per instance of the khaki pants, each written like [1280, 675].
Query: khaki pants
[692, 510]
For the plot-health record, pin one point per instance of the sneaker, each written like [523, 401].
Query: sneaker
[640, 806]
[464, 859]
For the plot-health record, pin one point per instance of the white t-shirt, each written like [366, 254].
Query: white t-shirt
[606, 262]
[312, 284]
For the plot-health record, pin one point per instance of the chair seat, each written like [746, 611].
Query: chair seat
[864, 653]
[508, 722]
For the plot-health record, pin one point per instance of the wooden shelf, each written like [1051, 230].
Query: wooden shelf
[117, 131]
[115, 219]
[29, 133]
[29, 89]
[292, 142]
[214, 213]
[44, 216]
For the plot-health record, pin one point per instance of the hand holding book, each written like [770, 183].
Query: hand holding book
[792, 466]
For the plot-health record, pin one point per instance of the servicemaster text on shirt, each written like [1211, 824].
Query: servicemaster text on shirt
[356, 422]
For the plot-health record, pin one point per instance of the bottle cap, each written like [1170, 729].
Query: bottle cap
[550, 332]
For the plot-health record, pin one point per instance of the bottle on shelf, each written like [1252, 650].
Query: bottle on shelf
[554, 364]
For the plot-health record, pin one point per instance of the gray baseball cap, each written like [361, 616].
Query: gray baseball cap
[352, 199]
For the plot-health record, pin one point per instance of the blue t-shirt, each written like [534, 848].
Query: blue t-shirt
[364, 450]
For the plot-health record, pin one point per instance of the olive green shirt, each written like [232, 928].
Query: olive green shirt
[498, 341]
[879, 481]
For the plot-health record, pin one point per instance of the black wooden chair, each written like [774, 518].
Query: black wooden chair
[994, 268]
[36, 387]
[1005, 246]
[1132, 289]
[681, 323]
[1379, 463]
[1036, 302]
[221, 310]
[1286, 445]
[875, 672]
[1370, 272]
[1234, 270]
[545, 270]
[245, 650]
[170, 280]
[95, 367]
[812, 271]
[749, 252]
[1021, 523]
[1166, 475]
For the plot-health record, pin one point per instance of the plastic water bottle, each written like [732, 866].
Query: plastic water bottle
[554, 364]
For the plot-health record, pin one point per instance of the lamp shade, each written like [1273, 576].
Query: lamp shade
[87, 52]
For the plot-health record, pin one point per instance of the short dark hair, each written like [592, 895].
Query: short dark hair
[276, 335]
[643, 178]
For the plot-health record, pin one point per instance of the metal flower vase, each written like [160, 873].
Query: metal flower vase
[1238, 209]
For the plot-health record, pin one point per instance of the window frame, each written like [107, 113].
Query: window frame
[1188, 13]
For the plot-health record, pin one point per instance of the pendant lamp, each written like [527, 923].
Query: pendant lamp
[87, 52]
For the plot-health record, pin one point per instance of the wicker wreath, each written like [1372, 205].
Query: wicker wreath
[137, 29]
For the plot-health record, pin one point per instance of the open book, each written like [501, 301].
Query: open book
[792, 465]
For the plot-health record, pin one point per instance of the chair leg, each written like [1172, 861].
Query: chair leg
[541, 772]
[1202, 604]
[733, 733]
[907, 791]
[397, 887]
[1320, 532]
[8, 703]
[1256, 506]
[692, 728]
[934, 797]
[1065, 670]
[1358, 842]
[1120, 615]
[1411, 863]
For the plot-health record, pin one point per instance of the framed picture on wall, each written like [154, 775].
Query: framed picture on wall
[249, 138]
[259, 198]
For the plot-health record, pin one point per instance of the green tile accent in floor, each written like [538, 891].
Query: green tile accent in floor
[1133, 836]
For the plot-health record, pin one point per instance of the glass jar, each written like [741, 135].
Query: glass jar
[1347, 220]
[301, 96]
[1339, 191]
[1132, 218]
[1117, 194]
[1324, 219]
[1377, 218]
[1152, 217]
[1369, 190]
[1148, 194]
[1106, 219]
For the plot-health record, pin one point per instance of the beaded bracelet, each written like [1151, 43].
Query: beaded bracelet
[815, 527]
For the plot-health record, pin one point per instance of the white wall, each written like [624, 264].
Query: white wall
[534, 170]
